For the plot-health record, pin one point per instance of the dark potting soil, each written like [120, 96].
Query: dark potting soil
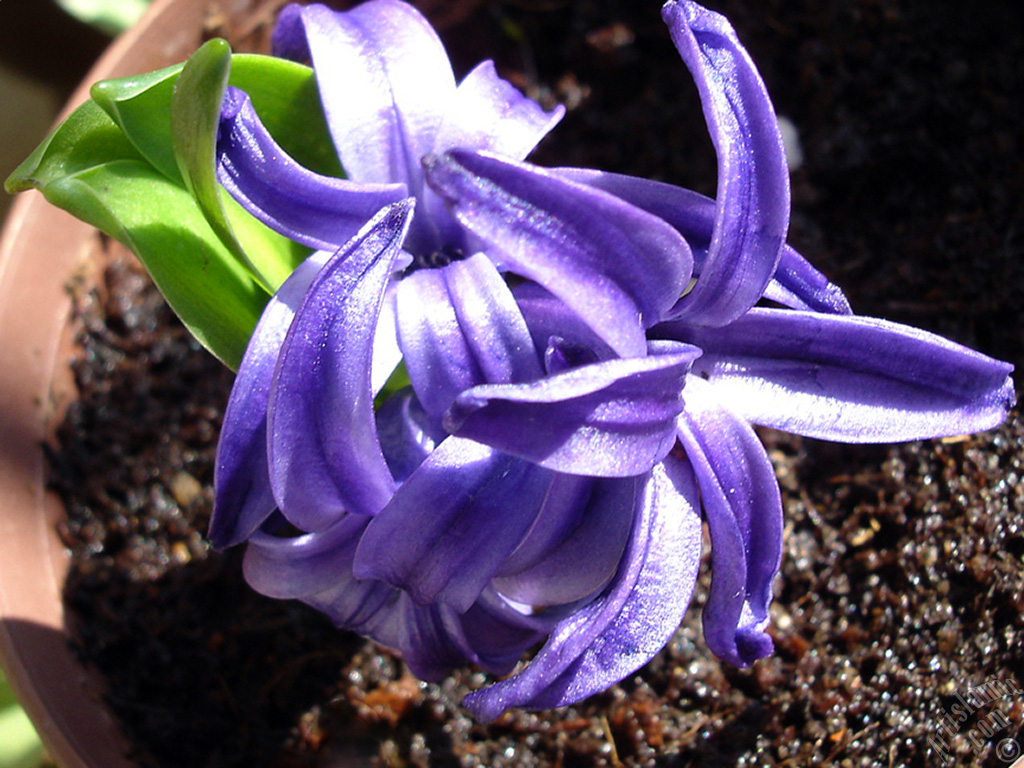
[902, 586]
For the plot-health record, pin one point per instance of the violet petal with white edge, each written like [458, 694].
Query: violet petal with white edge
[609, 419]
[489, 113]
[325, 458]
[752, 201]
[384, 79]
[387, 355]
[615, 265]
[621, 630]
[317, 211]
[481, 504]
[743, 509]
[848, 378]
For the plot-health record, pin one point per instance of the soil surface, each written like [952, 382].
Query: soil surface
[902, 587]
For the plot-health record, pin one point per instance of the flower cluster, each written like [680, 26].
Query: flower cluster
[586, 353]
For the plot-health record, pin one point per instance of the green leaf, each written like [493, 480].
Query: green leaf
[213, 294]
[7, 696]
[398, 380]
[283, 93]
[112, 164]
[86, 139]
[141, 107]
[89, 168]
[195, 116]
[275, 255]
[286, 97]
[20, 746]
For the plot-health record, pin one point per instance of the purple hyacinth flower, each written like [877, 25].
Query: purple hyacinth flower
[586, 353]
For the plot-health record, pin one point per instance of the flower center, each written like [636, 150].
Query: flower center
[437, 259]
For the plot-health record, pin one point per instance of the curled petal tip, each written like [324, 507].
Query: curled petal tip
[752, 206]
[323, 449]
[398, 211]
[318, 211]
[743, 509]
[751, 644]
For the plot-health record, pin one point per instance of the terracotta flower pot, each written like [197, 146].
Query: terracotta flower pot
[41, 249]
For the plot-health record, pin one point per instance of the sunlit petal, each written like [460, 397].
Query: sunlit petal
[622, 629]
[324, 454]
[848, 378]
[743, 509]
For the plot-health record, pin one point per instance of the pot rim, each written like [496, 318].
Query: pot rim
[61, 697]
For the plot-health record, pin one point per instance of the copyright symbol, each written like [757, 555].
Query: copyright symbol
[1007, 750]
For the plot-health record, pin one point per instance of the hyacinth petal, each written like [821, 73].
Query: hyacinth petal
[481, 504]
[293, 567]
[491, 321]
[498, 635]
[243, 496]
[318, 211]
[611, 419]
[491, 634]
[387, 355]
[619, 268]
[384, 79]
[459, 326]
[437, 354]
[428, 644]
[323, 448]
[317, 569]
[548, 317]
[489, 113]
[848, 378]
[622, 629]
[562, 511]
[796, 283]
[288, 40]
[586, 557]
[407, 433]
[743, 510]
[689, 213]
[486, 113]
[435, 638]
[752, 208]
